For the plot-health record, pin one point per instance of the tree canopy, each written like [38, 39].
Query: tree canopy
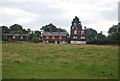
[5, 29]
[114, 33]
[91, 33]
[76, 23]
[52, 28]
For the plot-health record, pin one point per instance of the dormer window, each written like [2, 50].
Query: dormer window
[75, 32]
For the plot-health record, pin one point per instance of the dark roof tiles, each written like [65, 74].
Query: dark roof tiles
[54, 33]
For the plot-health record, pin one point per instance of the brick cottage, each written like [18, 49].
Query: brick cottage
[54, 37]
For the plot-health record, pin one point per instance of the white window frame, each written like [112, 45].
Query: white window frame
[60, 37]
[53, 37]
[82, 37]
[47, 37]
[74, 37]
[75, 32]
[82, 32]
[13, 37]
[21, 37]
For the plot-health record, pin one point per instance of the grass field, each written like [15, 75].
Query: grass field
[59, 61]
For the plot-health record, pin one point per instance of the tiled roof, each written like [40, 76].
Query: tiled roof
[16, 34]
[54, 33]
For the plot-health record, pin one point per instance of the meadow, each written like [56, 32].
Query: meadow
[59, 61]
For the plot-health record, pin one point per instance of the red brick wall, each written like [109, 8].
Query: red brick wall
[79, 39]
[25, 38]
[78, 35]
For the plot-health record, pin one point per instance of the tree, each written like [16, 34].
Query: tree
[5, 29]
[29, 31]
[114, 33]
[76, 23]
[61, 30]
[91, 33]
[52, 28]
[35, 39]
[38, 33]
[24, 31]
[16, 27]
[100, 36]
[49, 28]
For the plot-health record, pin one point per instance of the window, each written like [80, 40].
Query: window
[75, 24]
[74, 37]
[82, 37]
[47, 37]
[60, 37]
[21, 37]
[82, 32]
[13, 37]
[53, 37]
[75, 32]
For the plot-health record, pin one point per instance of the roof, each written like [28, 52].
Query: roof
[16, 34]
[54, 33]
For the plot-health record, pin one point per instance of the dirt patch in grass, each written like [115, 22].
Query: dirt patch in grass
[50, 55]
[66, 61]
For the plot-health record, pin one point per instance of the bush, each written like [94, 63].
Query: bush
[35, 39]
[101, 41]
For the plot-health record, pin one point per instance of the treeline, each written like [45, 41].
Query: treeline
[93, 36]
[99, 38]
[35, 36]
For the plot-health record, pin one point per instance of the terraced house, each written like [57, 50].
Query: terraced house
[17, 37]
[54, 37]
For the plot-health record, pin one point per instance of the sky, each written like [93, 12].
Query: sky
[97, 14]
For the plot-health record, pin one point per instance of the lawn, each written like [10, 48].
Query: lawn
[59, 61]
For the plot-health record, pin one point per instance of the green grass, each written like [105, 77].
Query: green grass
[59, 61]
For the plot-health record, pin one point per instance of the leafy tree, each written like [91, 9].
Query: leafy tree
[5, 29]
[100, 36]
[114, 33]
[35, 39]
[49, 28]
[91, 33]
[76, 23]
[38, 33]
[61, 30]
[52, 28]
[16, 27]
[29, 31]
[24, 31]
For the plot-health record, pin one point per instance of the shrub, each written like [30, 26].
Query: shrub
[35, 39]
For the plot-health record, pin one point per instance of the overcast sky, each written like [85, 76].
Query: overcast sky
[97, 14]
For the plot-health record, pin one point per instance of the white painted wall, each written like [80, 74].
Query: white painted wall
[78, 42]
[63, 42]
[55, 42]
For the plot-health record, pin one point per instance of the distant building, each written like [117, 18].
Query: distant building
[54, 37]
[77, 34]
[17, 37]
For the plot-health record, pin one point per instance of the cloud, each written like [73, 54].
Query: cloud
[97, 14]
[13, 15]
